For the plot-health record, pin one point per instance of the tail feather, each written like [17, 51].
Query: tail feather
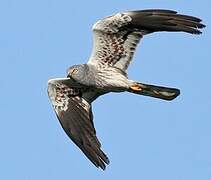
[160, 92]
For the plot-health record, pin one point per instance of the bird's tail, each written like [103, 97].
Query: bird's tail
[160, 92]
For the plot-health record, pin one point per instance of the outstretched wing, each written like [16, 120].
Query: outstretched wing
[116, 37]
[75, 116]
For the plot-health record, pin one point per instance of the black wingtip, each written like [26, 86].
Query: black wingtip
[105, 161]
[102, 164]
[199, 26]
[196, 32]
[154, 11]
[154, 20]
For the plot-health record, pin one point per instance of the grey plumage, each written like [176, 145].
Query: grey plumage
[115, 40]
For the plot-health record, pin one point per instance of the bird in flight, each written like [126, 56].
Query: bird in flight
[115, 40]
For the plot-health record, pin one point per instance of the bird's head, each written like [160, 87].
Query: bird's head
[77, 72]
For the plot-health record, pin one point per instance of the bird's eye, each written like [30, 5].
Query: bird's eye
[73, 71]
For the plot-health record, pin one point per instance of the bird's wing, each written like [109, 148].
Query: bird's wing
[116, 37]
[75, 116]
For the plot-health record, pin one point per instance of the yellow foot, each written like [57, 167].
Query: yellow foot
[136, 87]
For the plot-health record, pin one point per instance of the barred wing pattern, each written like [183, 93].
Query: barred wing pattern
[116, 37]
[75, 116]
[114, 45]
[115, 40]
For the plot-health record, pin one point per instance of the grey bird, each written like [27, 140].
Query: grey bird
[115, 40]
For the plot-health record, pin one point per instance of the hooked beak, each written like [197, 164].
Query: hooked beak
[71, 72]
[69, 75]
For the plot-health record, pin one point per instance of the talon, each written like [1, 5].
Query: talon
[136, 87]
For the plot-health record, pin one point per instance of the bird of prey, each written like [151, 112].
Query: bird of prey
[115, 40]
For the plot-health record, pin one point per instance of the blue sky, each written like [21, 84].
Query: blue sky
[145, 138]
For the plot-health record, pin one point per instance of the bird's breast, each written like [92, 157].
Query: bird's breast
[111, 79]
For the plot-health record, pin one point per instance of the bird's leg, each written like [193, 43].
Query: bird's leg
[135, 87]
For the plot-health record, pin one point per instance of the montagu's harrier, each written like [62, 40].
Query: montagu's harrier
[115, 40]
